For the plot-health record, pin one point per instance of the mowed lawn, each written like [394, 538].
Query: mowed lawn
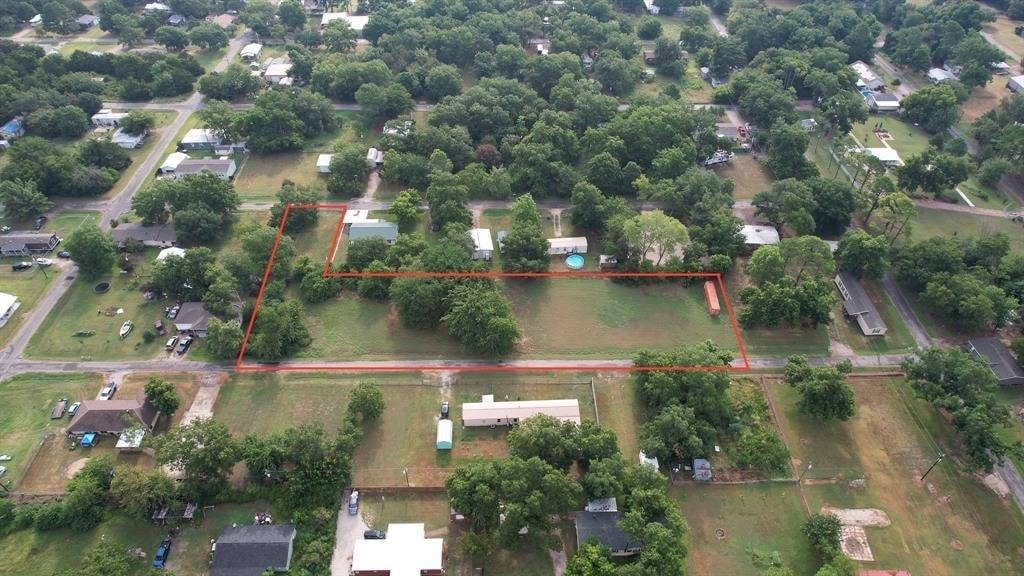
[930, 223]
[81, 309]
[27, 401]
[559, 318]
[749, 176]
[950, 524]
[896, 339]
[905, 138]
[758, 519]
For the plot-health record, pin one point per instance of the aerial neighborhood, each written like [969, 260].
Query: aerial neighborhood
[536, 288]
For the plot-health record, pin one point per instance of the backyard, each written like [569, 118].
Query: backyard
[950, 524]
[930, 223]
[748, 175]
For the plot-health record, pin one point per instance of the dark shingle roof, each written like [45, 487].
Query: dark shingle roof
[249, 550]
[858, 303]
[136, 231]
[999, 359]
[604, 528]
[107, 415]
[192, 316]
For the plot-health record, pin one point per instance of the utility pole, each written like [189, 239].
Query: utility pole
[942, 456]
[801, 478]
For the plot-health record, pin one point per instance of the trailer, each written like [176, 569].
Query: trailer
[719, 157]
[58, 410]
[711, 296]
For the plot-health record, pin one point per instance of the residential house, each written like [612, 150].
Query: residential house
[223, 168]
[603, 527]
[1015, 85]
[404, 551]
[859, 306]
[491, 413]
[192, 318]
[883, 102]
[651, 7]
[251, 51]
[323, 163]
[201, 139]
[108, 119]
[177, 20]
[940, 75]
[887, 156]
[538, 46]
[27, 243]
[386, 230]
[356, 22]
[587, 61]
[126, 140]
[1000, 68]
[572, 245]
[86, 21]
[112, 417]
[355, 216]
[997, 356]
[161, 236]
[866, 77]
[36, 20]
[277, 72]
[483, 246]
[757, 236]
[253, 549]
[9, 304]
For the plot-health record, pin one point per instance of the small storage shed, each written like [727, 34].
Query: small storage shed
[444, 434]
[323, 163]
[711, 296]
[483, 246]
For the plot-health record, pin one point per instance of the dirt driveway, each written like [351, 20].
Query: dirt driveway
[350, 530]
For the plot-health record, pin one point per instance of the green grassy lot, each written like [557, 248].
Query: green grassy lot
[930, 223]
[756, 518]
[206, 58]
[748, 175]
[1013, 397]
[896, 339]
[28, 400]
[30, 285]
[987, 197]
[552, 314]
[83, 309]
[889, 443]
[907, 139]
[86, 46]
[1002, 30]
[30, 553]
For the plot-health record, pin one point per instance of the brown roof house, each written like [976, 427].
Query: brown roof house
[112, 417]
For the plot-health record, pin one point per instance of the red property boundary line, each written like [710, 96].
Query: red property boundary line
[496, 366]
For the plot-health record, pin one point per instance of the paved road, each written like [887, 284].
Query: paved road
[1009, 473]
[911, 320]
[717, 23]
[1009, 52]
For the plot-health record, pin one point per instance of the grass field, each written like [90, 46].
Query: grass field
[87, 46]
[27, 400]
[1002, 31]
[31, 553]
[930, 223]
[552, 313]
[81, 309]
[896, 339]
[756, 518]
[986, 197]
[907, 139]
[749, 176]
[889, 443]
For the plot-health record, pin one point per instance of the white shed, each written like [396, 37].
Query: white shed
[444, 434]
[888, 156]
[323, 163]
[1016, 84]
[572, 245]
[9, 304]
[759, 235]
[483, 246]
[374, 157]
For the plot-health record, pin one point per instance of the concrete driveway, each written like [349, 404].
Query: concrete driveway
[350, 530]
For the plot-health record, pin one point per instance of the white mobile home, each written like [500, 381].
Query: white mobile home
[573, 245]
[323, 163]
[251, 51]
[107, 118]
[483, 246]
[491, 413]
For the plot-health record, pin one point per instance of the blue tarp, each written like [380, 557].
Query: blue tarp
[12, 127]
[89, 440]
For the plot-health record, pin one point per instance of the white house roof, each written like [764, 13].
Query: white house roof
[156, 6]
[570, 242]
[280, 69]
[356, 22]
[324, 161]
[759, 235]
[173, 160]
[353, 216]
[172, 251]
[201, 136]
[108, 115]
[251, 50]
[131, 438]
[122, 137]
[564, 410]
[7, 301]
[937, 75]
[1019, 80]
[405, 551]
[886, 155]
[481, 239]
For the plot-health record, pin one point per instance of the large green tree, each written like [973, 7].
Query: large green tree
[481, 317]
[92, 250]
[203, 450]
[525, 249]
[162, 395]
[22, 200]
[824, 392]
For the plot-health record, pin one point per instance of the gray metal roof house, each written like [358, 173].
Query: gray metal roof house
[192, 317]
[26, 243]
[604, 528]
[858, 305]
[386, 230]
[162, 236]
[993, 352]
[221, 168]
[250, 550]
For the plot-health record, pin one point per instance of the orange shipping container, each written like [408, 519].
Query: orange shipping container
[711, 295]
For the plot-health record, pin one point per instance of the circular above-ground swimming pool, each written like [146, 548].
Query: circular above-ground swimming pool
[574, 261]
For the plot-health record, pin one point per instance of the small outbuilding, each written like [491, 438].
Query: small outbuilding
[171, 162]
[1016, 84]
[323, 163]
[887, 156]
[251, 51]
[756, 236]
[940, 75]
[444, 434]
[483, 246]
[1000, 68]
[404, 551]
[356, 22]
[711, 298]
[13, 128]
[107, 118]
[607, 262]
[168, 252]
[702, 470]
[651, 461]
[126, 140]
[998, 357]
[275, 73]
[9, 304]
[883, 102]
[374, 157]
[86, 21]
[857, 305]
[572, 245]
[603, 527]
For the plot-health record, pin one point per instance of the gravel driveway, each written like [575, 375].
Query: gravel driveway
[350, 529]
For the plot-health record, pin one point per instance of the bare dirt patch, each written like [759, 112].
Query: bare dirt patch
[75, 467]
[984, 98]
[859, 516]
[997, 485]
[854, 542]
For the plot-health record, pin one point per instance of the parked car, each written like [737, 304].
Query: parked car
[374, 535]
[161, 553]
[173, 312]
[44, 262]
[171, 343]
[5, 458]
[184, 344]
[3, 470]
[39, 222]
[73, 409]
[19, 266]
[353, 503]
[444, 410]
[108, 391]
[64, 254]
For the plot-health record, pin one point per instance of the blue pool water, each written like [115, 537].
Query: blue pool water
[574, 261]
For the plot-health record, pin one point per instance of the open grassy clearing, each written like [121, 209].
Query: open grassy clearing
[28, 400]
[987, 197]
[896, 339]
[1013, 397]
[748, 175]
[907, 139]
[85, 45]
[81, 309]
[886, 445]
[756, 518]
[552, 313]
[208, 59]
[984, 99]
[31, 553]
[1002, 31]
[930, 223]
